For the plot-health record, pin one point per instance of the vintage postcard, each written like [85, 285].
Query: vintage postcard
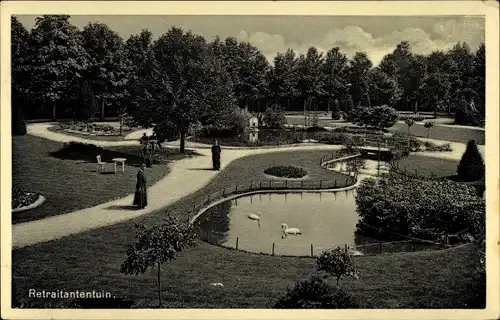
[250, 160]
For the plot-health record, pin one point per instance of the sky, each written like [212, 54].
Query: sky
[375, 35]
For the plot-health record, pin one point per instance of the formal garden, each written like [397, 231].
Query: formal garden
[410, 237]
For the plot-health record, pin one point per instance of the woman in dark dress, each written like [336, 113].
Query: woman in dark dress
[216, 151]
[141, 196]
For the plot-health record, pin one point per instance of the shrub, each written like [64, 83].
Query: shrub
[471, 166]
[333, 138]
[414, 117]
[378, 117]
[430, 146]
[416, 206]
[274, 117]
[465, 115]
[358, 130]
[22, 198]
[79, 148]
[314, 293]
[336, 263]
[286, 172]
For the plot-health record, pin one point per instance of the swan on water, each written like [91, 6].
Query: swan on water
[287, 230]
[254, 216]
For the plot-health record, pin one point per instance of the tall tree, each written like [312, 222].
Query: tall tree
[20, 75]
[106, 73]
[359, 67]
[58, 59]
[335, 69]
[284, 79]
[383, 89]
[190, 80]
[252, 74]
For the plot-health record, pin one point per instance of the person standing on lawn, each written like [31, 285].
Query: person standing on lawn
[216, 151]
[141, 195]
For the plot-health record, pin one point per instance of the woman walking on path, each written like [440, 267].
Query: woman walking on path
[141, 196]
[216, 151]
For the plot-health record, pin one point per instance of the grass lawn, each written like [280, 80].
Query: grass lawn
[73, 183]
[425, 166]
[91, 261]
[458, 134]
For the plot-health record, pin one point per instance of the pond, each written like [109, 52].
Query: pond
[325, 219]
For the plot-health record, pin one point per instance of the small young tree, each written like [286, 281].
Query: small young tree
[428, 125]
[274, 117]
[409, 122]
[156, 246]
[314, 293]
[336, 262]
[471, 166]
[336, 110]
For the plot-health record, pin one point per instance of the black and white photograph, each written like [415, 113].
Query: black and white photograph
[275, 160]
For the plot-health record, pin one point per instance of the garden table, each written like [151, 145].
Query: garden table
[120, 160]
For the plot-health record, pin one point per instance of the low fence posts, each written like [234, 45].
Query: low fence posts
[237, 239]
[302, 184]
[223, 192]
[286, 184]
[260, 185]
[236, 189]
[335, 185]
[321, 184]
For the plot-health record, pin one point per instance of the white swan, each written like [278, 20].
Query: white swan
[254, 216]
[287, 230]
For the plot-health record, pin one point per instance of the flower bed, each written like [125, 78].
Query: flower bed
[286, 172]
[90, 128]
[359, 130]
[22, 198]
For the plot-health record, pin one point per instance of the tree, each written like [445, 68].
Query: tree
[471, 166]
[311, 77]
[409, 122]
[379, 117]
[157, 246]
[285, 77]
[88, 105]
[335, 69]
[314, 293]
[274, 117]
[383, 89]
[359, 67]
[336, 263]
[58, 60]
[190, 81]
[106, 73]
[428, 125]
[20, 75]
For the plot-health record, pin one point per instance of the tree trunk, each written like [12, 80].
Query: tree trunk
[338, 278]
[159, 285]
[121, 124]
[288, 103]
[183, 137]
[102, 109]
[54, 112]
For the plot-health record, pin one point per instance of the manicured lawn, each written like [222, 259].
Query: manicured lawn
[72, 183]
[426, 166]
[455, 134]
[91, 261]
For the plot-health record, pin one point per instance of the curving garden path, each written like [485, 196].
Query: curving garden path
[183, 179]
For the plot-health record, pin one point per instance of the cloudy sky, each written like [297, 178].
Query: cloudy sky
[375, 35]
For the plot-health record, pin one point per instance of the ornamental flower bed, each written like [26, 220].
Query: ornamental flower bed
[286, 172]
[22, 198]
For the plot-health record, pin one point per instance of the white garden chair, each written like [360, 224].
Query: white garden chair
[100, 164]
